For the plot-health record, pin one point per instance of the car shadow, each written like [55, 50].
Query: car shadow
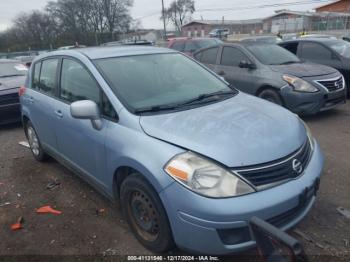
[324, 115]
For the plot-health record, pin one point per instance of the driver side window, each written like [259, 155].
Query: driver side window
[232, 56]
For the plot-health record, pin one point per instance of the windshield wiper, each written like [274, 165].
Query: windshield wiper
[198, 99]
[203, 97]
[155, 109]
[289, 62]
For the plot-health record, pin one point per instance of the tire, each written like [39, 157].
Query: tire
[145, 214]
[272, 96]
[34, 143]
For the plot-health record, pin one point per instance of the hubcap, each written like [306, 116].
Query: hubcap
[144, 216]
[33, 141]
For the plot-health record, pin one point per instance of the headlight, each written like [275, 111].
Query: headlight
[299, 84]
[206, 178]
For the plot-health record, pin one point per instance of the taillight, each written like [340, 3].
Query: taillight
[21, 90]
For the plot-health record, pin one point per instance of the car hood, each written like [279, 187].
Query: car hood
[240, 131]
[304, 69]
[11, 82]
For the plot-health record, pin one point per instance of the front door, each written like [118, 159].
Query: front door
[78, 142]
[228, 67]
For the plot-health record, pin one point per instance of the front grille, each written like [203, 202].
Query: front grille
[332, 85]
[272, 173]
[9, 99]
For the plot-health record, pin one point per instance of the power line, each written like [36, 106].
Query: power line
[239, 8]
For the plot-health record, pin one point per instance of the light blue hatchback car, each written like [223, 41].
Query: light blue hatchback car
[190, 158]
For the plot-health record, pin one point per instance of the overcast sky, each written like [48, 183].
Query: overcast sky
[148, 11]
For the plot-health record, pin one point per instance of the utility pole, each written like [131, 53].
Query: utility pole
[163, 12]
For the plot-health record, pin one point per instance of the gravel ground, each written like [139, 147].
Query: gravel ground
[91, 225]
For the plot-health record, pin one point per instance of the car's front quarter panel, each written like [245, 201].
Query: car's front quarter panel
[127, 146]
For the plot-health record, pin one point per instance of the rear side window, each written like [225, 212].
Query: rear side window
[48, 74]
[231, 56]
[190, 46]
[291, 47]
[209, 56]
[178, 45]
[315, 51]
[77, 84]
[36, 75]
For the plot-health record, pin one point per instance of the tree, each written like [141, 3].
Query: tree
[179, 12]
[64, 22]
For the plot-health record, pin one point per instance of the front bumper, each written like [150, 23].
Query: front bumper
[312, 103]
[220, 226]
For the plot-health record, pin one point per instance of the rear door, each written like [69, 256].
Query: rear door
[228, 67]
[317, 53]
[41, 99]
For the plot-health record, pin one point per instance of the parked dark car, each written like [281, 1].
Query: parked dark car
[12, 76]
[330, 52]
[271, 72]
[190, 45]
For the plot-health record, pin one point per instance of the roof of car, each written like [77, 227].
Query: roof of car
[321, 40]
[112, 51]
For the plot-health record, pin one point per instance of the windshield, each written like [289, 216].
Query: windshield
[272, 54]
[12, 69]
[341, 47]
[145, 81]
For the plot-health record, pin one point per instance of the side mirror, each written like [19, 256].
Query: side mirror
[87, 109]
[246, 64]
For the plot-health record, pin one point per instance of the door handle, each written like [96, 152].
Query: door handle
[221, 73]
[59, 114]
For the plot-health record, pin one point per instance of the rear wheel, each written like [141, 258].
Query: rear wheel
[272, 96]
[34, 143]
[145, 214]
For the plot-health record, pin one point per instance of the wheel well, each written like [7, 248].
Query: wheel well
[264, 87]
[25, 120]
[119, 176]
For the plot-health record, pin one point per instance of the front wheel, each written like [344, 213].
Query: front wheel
[144, 212]
[272, 96]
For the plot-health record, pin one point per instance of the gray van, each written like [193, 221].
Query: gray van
[275, 74]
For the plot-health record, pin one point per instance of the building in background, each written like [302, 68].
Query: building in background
[286, 21]
[341, 6]
[202, 28]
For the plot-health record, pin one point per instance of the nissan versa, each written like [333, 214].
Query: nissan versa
[275, 74]
[190, 158]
